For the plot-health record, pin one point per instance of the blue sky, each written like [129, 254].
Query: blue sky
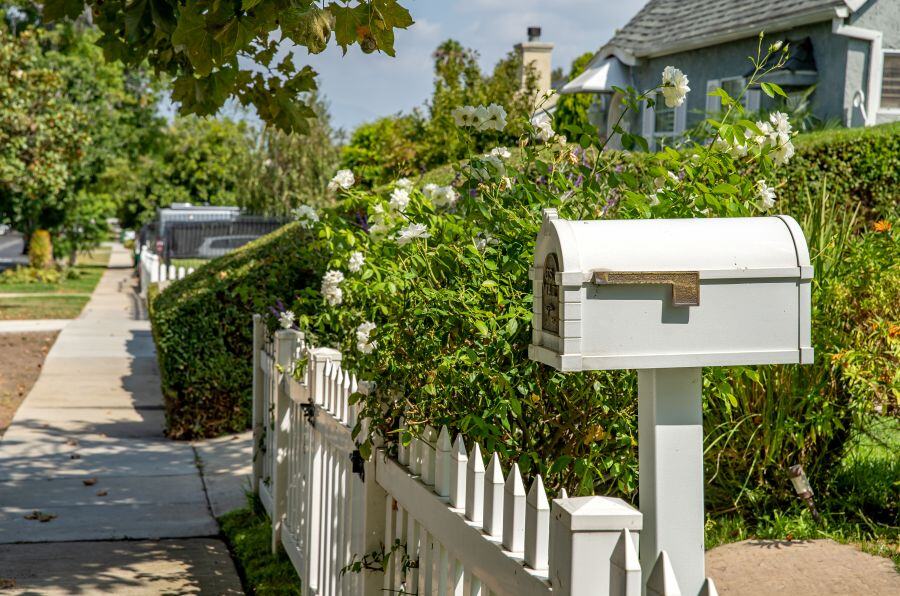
[361, 87]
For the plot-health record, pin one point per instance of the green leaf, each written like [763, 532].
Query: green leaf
[55, 10]
[234, 36]
[725, 189]
[193, 38]
[767, 89]
[482, 328]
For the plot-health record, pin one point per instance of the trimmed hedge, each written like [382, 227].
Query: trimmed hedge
[858, 165]
[201, 326]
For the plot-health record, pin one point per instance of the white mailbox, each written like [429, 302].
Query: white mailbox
[668, 297]
[668, 293]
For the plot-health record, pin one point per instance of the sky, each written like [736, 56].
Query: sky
[360, 88]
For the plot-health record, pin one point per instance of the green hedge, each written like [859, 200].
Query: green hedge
[204, 338]
[859, 166]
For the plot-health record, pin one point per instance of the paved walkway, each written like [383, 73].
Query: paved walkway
[85, 459]
[33, 325]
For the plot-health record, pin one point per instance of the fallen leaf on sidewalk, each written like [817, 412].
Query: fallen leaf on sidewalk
[89, 481]
[40, 516]
[75, 456]
[102, 493]
[71, 442]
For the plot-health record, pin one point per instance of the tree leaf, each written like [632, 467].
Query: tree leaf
[55, 10]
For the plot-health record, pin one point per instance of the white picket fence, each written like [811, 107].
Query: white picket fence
[153, 271]
[435, 520]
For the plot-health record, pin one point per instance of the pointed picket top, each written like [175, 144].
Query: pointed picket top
[709, 588]
[459, 448]
[624, 553]
[346, 380]
[354, 384]
[662, 581]
[563, 494]
[537, 496]
[476, 460]
[514, 484]
[443, 442]
[494, 472]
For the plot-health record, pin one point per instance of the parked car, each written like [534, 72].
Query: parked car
[216, 246]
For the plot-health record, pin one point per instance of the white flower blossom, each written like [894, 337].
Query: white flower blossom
[444, 196]
[399, 199]
[286, 319]
[780, 122]
[363, 344]
[404, 183]
[501, 152]
[506, 183]
[766, 195]
[777, 134]
[377, 224]
[543, 130]
[483, 240]
[306, 215]
[331, 289]
[480, 117]
[356, 261]
[675, 86]
[429, 189]
[343, 179]
[412, 232]
[654, 199]
[464, 116]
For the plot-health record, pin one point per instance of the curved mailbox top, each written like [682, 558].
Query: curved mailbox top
[714, 247]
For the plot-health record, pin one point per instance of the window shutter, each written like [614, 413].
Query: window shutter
[681, 118]
[753, 96]
[648, 124]
[713, 103]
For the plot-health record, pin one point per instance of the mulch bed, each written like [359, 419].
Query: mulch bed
[21, 359]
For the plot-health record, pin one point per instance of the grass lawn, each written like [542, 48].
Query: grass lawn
[248, 532]
[90, 266]
[41, 307]
[859, 505]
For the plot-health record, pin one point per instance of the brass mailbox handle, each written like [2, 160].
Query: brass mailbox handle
[685, 284]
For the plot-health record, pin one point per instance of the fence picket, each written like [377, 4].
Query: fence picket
[709, 588]
[415, 454]
[429, 440]
[402, 450]
[537, 526]
[475, 486]
[458, 462]
[442, 464]
[625, 568]
[493, 498]
[514, 511]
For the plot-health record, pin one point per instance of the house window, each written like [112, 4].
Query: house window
[734, 86]
[890, 81]
[661, 123]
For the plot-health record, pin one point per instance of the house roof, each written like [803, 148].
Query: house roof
[667, 26]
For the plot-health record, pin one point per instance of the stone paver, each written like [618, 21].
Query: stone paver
[87, 447]
[819, 567]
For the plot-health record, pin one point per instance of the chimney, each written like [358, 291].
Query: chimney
[538, 54]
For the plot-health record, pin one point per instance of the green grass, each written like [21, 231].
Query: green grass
[248, 532]
[89, 268]
[42, 307]
[859, 505]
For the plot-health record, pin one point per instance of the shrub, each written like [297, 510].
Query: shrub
[40, 250]
[861, 167]
[202, 338]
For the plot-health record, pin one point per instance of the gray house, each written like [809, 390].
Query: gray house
[849, 50]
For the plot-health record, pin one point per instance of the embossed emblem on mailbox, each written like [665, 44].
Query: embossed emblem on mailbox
[550, 295]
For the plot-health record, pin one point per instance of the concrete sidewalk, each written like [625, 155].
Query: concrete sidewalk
[86, 452]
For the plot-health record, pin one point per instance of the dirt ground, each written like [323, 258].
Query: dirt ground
[21, 358]
[814, 567]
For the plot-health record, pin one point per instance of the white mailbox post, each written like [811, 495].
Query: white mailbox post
[667, 297]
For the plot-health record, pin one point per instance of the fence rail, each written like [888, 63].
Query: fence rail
[433, 520]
